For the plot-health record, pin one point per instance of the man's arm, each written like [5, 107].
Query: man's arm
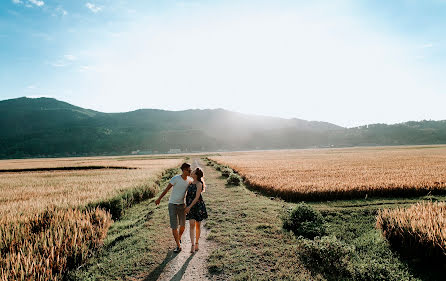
[169, 186]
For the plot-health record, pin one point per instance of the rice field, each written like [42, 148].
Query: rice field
[31, 192]
[420, 228]
[327, 174]
[44, 227]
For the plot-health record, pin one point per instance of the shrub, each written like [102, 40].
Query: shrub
[226, 172]
[234, 179]
[304, 220]
[327, 255]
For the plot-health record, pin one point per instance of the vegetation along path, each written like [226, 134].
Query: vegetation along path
[243, 239]
[140, 246]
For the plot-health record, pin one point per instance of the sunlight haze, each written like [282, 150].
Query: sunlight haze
[346, 62]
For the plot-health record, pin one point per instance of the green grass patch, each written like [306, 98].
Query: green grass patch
[247, 228]
[254, 246]
[354, 223]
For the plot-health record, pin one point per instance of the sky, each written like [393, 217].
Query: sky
[348, 62]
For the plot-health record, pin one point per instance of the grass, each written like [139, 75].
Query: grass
[354, 223]
[247, 230]
[253, 245]
[137, 246]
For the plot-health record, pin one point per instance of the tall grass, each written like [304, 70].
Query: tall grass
[43, 246]
[420, 228]
[52, 221]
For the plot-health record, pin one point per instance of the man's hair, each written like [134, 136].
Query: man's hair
[185, 166]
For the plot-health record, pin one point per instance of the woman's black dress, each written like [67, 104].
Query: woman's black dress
[198, 211]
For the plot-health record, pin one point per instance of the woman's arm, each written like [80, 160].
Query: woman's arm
[197, 197]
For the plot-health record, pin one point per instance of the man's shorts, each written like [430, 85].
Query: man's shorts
[177, 215]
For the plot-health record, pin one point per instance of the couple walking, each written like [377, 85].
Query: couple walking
[189, 185]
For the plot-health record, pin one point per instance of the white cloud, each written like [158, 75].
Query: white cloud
[31, 87]
[70, 57]
[428, 45]
[59, 64]
[61, 11]
[17, 1]
[37, 2]
[93, 7]
[87, 68]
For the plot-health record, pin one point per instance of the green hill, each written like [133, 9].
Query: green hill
[48, 127]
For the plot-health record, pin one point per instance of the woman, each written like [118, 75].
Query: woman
[196, 209]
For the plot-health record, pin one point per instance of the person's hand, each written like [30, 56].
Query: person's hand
[187, 210]
[157, 202]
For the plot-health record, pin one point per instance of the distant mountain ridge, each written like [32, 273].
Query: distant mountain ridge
[44, 127]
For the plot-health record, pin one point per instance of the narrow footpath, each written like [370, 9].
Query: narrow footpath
[184, 265]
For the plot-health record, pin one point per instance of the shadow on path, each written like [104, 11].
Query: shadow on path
[180, 273]
[155, 274]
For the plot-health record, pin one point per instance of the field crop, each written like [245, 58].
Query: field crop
[44, 245]
[44, 227]
[32, 192]
[420, 228]
[327, 174]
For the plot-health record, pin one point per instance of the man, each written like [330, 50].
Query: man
[176, 202]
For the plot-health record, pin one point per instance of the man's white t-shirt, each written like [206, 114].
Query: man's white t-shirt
[179, 189]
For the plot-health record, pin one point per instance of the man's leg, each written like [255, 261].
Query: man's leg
[174, 223]
[181, 231]
[181, 219]
[176, 237]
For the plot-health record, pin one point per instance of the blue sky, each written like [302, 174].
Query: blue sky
[346, 62]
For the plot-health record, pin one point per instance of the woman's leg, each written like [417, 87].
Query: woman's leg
[192, 231]
[198, 232]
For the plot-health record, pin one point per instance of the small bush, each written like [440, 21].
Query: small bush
[226, 172]
[327, 255]
[234, 179]
[304, 220]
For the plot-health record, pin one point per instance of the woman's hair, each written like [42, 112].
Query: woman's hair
[200, 177]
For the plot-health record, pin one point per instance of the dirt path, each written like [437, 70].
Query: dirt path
[187, 266]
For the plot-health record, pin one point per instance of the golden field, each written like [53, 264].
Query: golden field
[343, 173]
[30, 192]
[44, 227]
[419, 227]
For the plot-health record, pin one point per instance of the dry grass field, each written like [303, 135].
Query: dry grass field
[421, 227]
[44, 229]
[30, 192]
[327, 174]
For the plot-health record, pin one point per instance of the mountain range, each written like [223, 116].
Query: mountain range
[46, 127]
